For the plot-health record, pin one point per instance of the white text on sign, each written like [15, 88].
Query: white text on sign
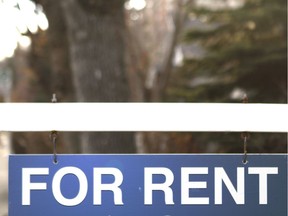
[220, 178]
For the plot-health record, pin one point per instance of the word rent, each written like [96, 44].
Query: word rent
[221, 181]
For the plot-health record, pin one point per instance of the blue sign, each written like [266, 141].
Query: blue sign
[174, 185]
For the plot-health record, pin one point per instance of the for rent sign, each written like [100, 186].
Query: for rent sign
[177, 185]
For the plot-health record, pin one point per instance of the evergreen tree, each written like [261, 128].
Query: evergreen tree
[246, 49]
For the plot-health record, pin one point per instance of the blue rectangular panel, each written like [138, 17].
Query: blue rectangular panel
[175, 185]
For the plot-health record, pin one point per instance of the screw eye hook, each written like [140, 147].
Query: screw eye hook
[245, 137]
[53, 135]
[53, 138]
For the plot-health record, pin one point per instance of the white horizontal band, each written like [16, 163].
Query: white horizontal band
[143, 117]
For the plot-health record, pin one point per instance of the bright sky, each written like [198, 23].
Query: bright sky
[17, 17]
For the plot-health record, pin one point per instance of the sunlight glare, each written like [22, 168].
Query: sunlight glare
[24, 41]
[135, 4]
[42, 21]
[17, 17]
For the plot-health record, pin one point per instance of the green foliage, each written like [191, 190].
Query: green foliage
[248, 50]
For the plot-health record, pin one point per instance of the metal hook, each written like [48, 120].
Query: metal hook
[245, 137]
[53, 135]
[54, 98]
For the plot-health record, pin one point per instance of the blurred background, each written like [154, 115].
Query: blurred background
[141, 51]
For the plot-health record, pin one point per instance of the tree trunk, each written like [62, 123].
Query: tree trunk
[151, 42]
[95, 30]
[61, 74]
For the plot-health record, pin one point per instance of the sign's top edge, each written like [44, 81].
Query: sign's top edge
[162, 154]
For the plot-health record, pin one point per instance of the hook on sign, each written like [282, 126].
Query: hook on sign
[245, 137]
[53, 135]
[53, 138]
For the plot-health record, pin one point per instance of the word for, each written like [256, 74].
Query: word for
[220, 178]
